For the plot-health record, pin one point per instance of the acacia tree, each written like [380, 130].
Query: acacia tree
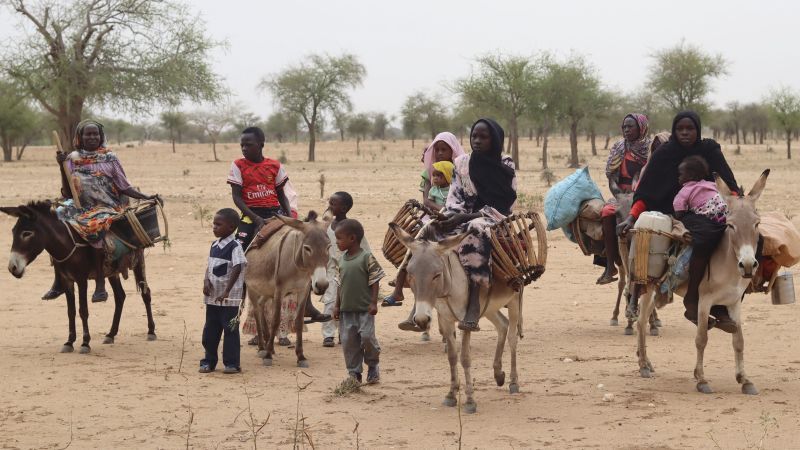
[340, 119]
[379, 125]
[127, 54]
[504, 85]
[19, 123]
[576, 90]
[785, 105]
[174, 122]
[682, 75]
[213, 123]
[318, 85]
[358, 126]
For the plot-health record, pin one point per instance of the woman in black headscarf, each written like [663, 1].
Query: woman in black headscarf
[482, 193]
[657, 189]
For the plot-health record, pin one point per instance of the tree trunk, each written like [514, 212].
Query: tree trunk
[544, 150]
[341, 134]
[593, 139]
[538, 138]
[8, 146]
[21, 150]
[530, 134]
[788, 144]
[736, 130]
[312, 140]
[515, 143]
[172, 138]
[608, 139]
[412, 142]
[214, 148]
[358, 146]
[573, 144]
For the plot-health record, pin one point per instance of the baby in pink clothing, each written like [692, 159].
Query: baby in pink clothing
[698, 195]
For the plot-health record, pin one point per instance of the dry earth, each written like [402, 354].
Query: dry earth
[135, 394]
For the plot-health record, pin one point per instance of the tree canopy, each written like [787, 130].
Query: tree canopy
[318, 85]
[126, 54]
[682, 75]
[785, 105]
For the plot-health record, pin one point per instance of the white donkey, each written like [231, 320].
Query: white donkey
[731, 268]
[438, 280]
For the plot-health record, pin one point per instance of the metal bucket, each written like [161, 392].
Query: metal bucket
[783, 290]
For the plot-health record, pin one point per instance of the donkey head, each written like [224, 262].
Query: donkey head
[314, 251]
[428, 274]
[742, 223]
[29, 234]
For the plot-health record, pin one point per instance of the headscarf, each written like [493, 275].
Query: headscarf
[77, 141]
[446, 167]
[639, 149]
[659, 185]
[492, 178]
[448, 138]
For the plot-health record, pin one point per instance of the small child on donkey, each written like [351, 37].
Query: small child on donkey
[441, 176]
[339, 204]
[359, 275]
[698, 195]
[223, 290]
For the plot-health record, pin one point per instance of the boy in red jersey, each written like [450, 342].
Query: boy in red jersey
[257, 187]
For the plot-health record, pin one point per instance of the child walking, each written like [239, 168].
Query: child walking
[359, 275]
[339, 204]
[223, 291]
[698, 195]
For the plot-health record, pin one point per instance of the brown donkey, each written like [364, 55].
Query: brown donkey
[285, 265]
[38, 229]
[731, 268]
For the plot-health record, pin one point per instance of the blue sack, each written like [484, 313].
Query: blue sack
[563, 201]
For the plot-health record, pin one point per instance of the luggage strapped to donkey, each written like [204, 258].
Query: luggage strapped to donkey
[410, 218]
[137, 226]
[514, 257]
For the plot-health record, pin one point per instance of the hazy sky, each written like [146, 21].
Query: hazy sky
[417, 45]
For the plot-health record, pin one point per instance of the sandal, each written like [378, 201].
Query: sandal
[389, 300]
[607, 278]
[284, 342]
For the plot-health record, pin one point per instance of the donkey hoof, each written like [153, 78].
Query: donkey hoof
[629, 331]
[449, 401]
[67, 348]
[108, 340]
[654, 331]
[425, 337]
[613, 322]
[500, 378]
[267, 362]
[657, 323]
[749, 389]
[513, 388]
[704, 388]
[470, 407]
[645, 372]
[303, 363]
[262, 354]
[151, 336]
[84, 349]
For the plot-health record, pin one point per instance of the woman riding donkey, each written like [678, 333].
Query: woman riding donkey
[624, 164]
[657, 190]
[445, 147]
[482, 193]
[99, 181]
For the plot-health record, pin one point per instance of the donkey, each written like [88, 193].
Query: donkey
[439, 281]
[284, 265]
[624, 203]
[38, 229]
[731, 269]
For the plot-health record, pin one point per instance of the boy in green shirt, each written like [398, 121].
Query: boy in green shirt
[358, 275]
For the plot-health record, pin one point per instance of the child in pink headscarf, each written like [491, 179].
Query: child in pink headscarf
[444, 147]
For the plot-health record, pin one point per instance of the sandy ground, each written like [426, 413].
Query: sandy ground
[136, 394]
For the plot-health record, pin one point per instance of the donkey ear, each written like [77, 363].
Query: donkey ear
[723, 188]
[292, 222]
[406, 239]
[758, 187]
[449, 243]
[17, 211]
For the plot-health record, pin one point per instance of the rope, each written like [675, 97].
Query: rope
[75, 245]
